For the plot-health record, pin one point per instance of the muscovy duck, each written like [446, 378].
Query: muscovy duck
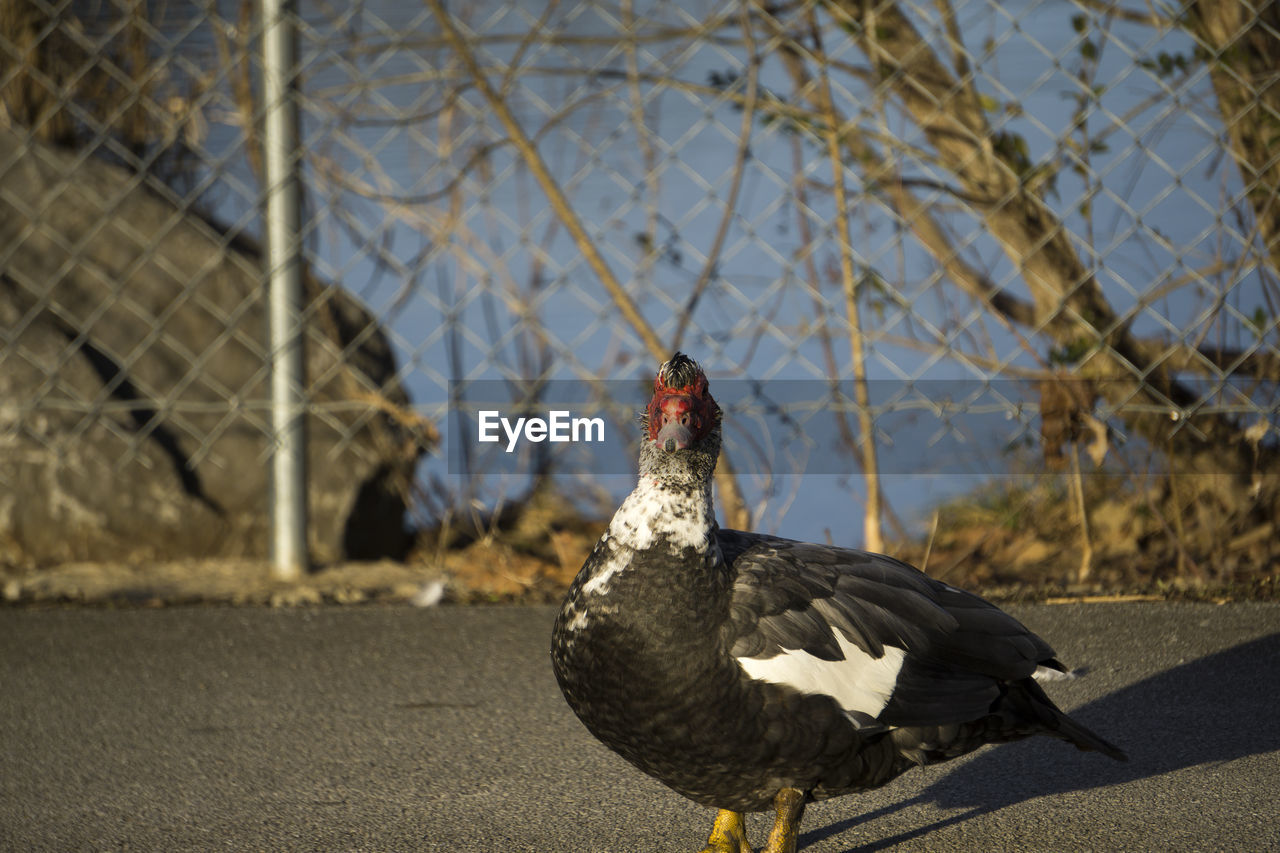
[749, 671]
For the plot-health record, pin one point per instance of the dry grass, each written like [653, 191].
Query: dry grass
[1007, 542]
[1026, 541]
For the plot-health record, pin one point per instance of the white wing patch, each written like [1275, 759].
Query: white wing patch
[860, 682]
[1044, 673]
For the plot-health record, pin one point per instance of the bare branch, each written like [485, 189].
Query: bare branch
[909, 208]
[872, 532]
[1182, 357]
[731, 499]
[1068, 302]
[739, 169]
[648, 156]
[1112, 9]
[241, 84]
[555, 195]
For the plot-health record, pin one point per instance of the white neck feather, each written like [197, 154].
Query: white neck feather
[653, 514]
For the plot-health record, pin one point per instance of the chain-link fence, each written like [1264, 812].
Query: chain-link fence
[997, 237]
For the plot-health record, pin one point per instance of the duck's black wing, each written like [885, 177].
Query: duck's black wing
[894, 647]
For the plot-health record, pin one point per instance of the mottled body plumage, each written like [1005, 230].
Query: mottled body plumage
[740, 669]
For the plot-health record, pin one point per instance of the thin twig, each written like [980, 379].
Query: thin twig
[928, 547]
[648, 157]
[872, 532]
[241, 84]
[730, 496]
[739, 168]
[1082, 512]
[550, 187]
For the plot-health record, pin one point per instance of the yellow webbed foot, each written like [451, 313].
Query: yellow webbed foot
[728, 834]
[789, 808]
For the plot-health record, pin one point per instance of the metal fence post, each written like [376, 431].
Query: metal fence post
[280, 141]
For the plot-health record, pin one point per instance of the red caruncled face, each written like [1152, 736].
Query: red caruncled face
[682, 410]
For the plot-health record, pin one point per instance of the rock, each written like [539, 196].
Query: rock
[134, 381]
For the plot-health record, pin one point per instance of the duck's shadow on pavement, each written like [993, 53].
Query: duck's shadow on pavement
[1218, 708]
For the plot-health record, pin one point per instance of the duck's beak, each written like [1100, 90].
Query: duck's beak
[674, 436]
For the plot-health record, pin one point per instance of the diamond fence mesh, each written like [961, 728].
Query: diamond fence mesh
[998, 238]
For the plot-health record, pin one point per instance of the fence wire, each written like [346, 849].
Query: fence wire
[1017, 225]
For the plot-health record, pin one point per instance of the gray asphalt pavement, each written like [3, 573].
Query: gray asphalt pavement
[401, 729]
